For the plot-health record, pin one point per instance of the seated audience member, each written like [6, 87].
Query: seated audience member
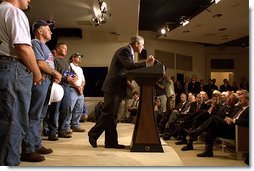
[133, 109]
[181, 109]
[217, 127]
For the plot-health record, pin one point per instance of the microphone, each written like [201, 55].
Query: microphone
[157, 62]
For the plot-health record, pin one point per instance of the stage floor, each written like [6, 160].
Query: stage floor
[77, 151]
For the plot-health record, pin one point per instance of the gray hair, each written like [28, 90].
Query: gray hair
[135, 39]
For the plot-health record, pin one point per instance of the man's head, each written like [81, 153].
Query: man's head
[40, 23]
[75, 58]
[21, 4]
[137, 43]
[41, 30]
[61, 50]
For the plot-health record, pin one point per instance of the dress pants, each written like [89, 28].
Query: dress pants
[108, 120]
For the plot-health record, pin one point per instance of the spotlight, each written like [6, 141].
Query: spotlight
[103, 6]
[184, 21]
[163, 31]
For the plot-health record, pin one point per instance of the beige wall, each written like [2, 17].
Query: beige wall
[99, 47]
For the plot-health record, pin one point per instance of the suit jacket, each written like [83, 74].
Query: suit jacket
[243, 119]
[116, 82]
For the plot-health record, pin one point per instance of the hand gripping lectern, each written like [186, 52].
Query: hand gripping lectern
[145, 136]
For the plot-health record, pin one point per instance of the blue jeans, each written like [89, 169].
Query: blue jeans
[32, 139]
[59, 112]
[77, 106]
[15, 95]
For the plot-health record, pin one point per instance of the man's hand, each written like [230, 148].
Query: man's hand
[38, 79]
[228, 120]
[150, 61]
[57, 77]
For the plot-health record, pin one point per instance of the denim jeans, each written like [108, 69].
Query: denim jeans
[15, 95]
[77, 106]
[32, 139]
[59, 112]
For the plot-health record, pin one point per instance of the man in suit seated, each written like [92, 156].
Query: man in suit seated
[215, 126]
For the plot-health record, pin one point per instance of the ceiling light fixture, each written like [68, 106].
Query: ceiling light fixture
[102, 19]
[184, 20]
[215, 1]
[165, 29]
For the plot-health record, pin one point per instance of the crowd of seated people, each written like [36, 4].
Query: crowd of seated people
[216, 113]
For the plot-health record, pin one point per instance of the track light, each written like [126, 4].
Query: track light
[103, 6]
[165, 29]
[103, 14]
[215, 1]
[184, 21]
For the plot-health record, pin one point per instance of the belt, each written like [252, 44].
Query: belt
[10, 58]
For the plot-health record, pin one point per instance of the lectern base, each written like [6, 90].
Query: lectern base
[146, 148]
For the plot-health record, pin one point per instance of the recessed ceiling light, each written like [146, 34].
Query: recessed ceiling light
[222, 29]
[186, 31]
[217, 15]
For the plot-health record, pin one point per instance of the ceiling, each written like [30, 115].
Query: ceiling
[126, 17]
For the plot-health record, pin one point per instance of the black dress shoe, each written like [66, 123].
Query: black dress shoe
[206, 154]
[187, 147]
[53, 137]
[118, 146]
[181, 142]
[166, 137]
[32, 157]
[92, 140]
[43, 150]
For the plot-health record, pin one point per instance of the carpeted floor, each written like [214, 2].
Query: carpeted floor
[77, 151]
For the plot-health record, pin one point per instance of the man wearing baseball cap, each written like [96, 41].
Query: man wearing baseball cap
[76, 94]
[32, 144]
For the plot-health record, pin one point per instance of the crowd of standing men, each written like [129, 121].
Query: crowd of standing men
[31, 79]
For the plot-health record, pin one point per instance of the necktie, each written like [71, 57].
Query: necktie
[238, 114]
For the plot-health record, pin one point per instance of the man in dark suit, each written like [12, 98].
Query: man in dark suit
[217, 127]
[114, 88]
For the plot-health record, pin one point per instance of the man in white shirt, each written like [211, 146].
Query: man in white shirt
[76, 94]
[18, 72]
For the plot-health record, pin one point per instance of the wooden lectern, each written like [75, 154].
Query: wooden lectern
[145, 136]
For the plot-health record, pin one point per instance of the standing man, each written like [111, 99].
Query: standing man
[59, 112]
[76, 94]
[114, 88]
[18, 71]
[31, 145]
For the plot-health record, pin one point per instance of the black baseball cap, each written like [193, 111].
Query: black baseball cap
[37, 24]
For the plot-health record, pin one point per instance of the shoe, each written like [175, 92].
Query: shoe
[166, 137]
[53, 137]
[181, 142]
[69, 131]
[92, 140]
[187, 147]
[32, 157]
[118, 146]
[45, 133]
[43, 150]
[63, 134]
[83, 118]
[78, 129]
[206, 154]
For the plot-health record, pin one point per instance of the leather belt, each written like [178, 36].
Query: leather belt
[10, 58]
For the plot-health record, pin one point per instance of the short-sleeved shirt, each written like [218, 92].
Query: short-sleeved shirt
[78, 70]
[43, 53]
[14, 29]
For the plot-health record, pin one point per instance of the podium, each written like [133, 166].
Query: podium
[145, 136]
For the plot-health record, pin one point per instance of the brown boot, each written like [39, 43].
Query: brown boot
[32, 157]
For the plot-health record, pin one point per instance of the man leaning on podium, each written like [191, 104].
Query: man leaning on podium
[114, 88]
